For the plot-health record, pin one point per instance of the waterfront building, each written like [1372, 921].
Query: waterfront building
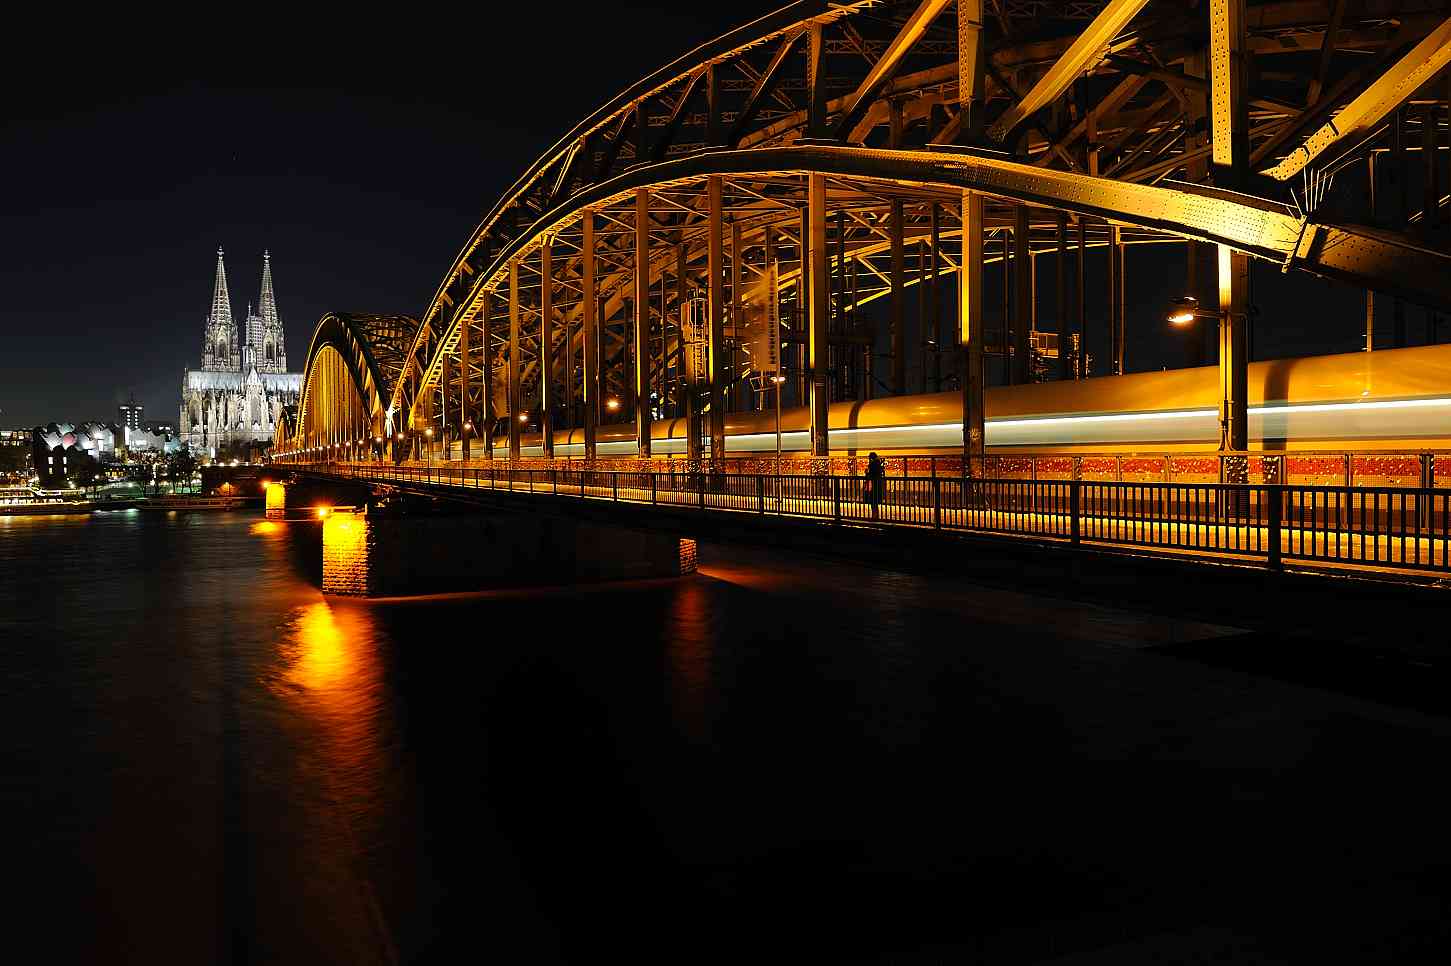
[58, 450]
[233, 401]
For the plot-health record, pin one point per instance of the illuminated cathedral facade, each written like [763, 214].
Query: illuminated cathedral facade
[236, 397]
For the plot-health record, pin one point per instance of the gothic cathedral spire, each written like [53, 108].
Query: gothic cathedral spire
[271, 353]
[219, 352]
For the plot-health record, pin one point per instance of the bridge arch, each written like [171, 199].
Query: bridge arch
[352, 363]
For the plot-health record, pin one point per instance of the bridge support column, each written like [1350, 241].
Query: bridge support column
[590, 391]
[642, 323]
[465, 421]
[1023, 290]
[819, 313]
[486, 375]
[1233, 364]
[515, 403]
[970, 324]
[546, 348]
[715, 350]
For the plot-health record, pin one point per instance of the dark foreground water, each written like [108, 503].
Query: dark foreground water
[783, 759]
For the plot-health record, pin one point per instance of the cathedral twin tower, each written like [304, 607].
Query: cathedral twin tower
[264, 346]
[236, 397]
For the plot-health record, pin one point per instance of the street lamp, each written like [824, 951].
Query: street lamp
[1185, 309]
[612, 404]
[378, 443]
[428, 447]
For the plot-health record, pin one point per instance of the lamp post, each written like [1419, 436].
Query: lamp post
[1185, 311]
[428, 448]
[378, 444]
[777, 380]
[464, 439]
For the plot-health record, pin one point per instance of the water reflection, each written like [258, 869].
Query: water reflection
[332, 674]
[690, 653]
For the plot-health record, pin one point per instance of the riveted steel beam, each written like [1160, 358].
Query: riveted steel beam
[886, 65]
[1387, 92]
[1088, 48]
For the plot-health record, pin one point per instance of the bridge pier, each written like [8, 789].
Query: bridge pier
[276, 500]
[375, 552]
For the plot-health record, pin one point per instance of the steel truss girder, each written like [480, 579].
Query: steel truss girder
[1380, 260]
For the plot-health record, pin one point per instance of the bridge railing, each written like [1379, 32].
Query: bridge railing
[1388, 527]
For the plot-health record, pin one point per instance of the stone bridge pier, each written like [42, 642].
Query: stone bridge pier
[396, 546]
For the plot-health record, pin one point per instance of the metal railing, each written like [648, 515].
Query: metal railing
[1395, 528]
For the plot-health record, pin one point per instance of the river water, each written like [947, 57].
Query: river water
[781, 758]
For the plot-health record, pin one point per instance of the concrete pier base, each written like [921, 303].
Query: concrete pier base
[276, 501]
[383, 555]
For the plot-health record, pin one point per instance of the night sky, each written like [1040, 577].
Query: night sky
[360, 154]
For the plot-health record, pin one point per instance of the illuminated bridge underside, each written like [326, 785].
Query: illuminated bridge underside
[1383, 261]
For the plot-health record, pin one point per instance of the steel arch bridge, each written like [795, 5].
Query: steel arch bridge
[831, 155]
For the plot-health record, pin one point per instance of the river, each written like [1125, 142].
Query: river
[781, 758]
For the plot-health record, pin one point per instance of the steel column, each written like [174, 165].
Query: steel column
[642, 322]
[1228, 105]
[1061, 290]
[590, 391]
[1079, 316]
[971, 59]
[935, 228]
[546, 347]
[715, 348]
[819, 313]
[899, 342]
[515, 407]
[1233, 350]
[1023, 282]
[463, 388]
[970, 331]
[486, 309]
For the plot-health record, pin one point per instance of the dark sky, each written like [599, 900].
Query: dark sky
[360, 153]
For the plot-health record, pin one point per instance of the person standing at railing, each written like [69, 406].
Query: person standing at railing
[875, 483]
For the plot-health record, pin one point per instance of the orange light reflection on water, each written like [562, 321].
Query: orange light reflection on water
[265, 528]
[332, 673]
[691, 655]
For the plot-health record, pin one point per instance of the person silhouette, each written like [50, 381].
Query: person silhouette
[876, 483]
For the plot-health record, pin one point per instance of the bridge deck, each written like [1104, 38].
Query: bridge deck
[1382, 529]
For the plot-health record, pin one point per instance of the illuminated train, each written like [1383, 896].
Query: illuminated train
[1385, 400]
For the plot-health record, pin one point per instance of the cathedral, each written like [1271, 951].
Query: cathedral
[235, 398]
